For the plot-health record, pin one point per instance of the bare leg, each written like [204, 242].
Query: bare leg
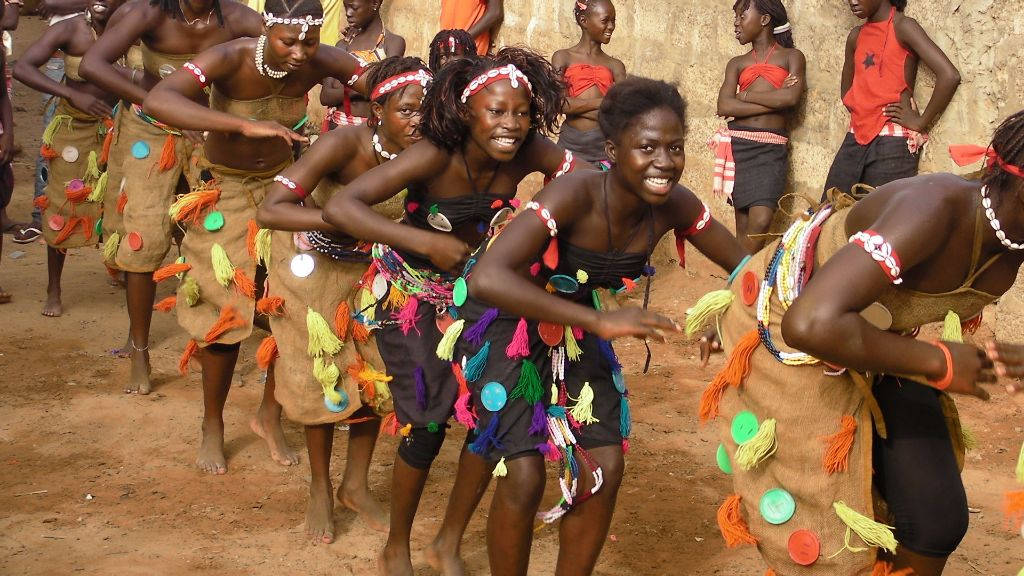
[406, 488]
[320, 514]
[921, 565]
[585, 528]
[140, 294]
[218, 367]
[54, 267]
[513, 510]
[354, 491]
[267, 425]
[759, 221]
[741, 225]
[471, 482]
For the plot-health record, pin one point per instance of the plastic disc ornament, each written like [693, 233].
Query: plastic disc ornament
[744, 427]
[438, 221]
[564, 284]
[619, 381]
[214, 221]
[302, 265]
[777, 506]
[501, 216]
[134, 240]
[722, 458]
[551, 334]
[69, 154]
[379, 288]
[459, 291]
[804, 547]
[140, 150]
[750, 288]
[56, 222]
[339, 407]
[75, 185]
[493, 396]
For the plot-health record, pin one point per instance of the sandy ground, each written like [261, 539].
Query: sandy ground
[93, 481]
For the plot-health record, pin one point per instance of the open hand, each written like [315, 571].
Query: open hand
[790, 81]
[636, 322]
[271, 129]
[710, 344]
[906, 116]
[971, 367]
[91, 104]
[1008, 361]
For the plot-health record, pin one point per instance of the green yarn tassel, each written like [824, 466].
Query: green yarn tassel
[188, 291]
[952, 331]
[759, 448]
[969, 439]
[710, 305]
[871, 532]
[99, 189]
[327, 374]
[223, 269]
[572, 348]
[529, 386]
[500, 470]
[53, 126]
[263, 246]
[446, 347]
[583, 410]
[110, 247]
[476, 365]
[92, 167]
[322, 341]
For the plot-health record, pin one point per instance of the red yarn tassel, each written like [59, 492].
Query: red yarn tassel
[266, 353]
[167, 304]
[342, 319]
[250, 239]
[270, 306]
[732, 525]
[244, 285]
[190, 350]
[168, 159]
[550, 257]
[732, 374]
[228, 320]
[170, 270]
[838, 446]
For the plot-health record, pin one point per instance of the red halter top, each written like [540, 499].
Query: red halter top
[878, 78]
[762, 69]
[581, 77]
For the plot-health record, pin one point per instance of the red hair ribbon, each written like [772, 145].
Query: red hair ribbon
[398, 81]
[964, 154]
[581, 5]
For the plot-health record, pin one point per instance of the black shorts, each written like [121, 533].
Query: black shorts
[884, 159]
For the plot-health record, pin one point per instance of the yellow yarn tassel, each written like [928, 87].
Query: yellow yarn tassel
[189, 291]
[53, 126]
[582, 276]
[710, 305]
[110, 247]
[406, 430]
[446, 347]
[263, 246]
[367, 304]
[326, 374]
[98, 189]
[871, 532]
[952, 331]
[92, 167]
[968, 438]
[379, 381]
[572, 348]
[759, 448]
[223, 269]
[322, 340]
[500, 470]
[554, 394]
[1020, 465]
[396, 298]
[583, 410]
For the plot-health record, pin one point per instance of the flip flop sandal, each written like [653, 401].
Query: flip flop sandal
[27, 234]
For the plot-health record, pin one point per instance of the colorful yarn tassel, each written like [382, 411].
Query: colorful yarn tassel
[190, 350]
[759, 448]
[122, 201]
[952, 330]
[229, 320]
[519, 347]
[478, 363]
[408, 316]
[342, 318]
[529, 386]
[244, 285]
[883, 568]
[223, 269]
[1013, 508]
[871, 532]
[968, 438]
[487, 440]
[251, 230]
[188, 291]
[190, 207]
[110, 247]
[572, 348]
[609, 355]
[1020, 465]
[168, 158]
[446, 347]
[51, 129]
[99, 189]
[710, 305]
[396, 299]
[360, 333]
[389, 424]
[421, 388]
[326, 373]
[625, 418]
[583, 410]
[271, 306]
[732, 374]
[475, 335]
[463, 414]
[500, 470]
[92, 166]
[266, 353]
[539, 422]
[535, 269]
[322, 341]
[108, 141]
[838, 446]
[166, 305]
[732, 525]
[263, 246]
[41, 202]
[550, 257]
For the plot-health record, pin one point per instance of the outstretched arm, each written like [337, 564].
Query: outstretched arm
[947, 78]
[132, 22]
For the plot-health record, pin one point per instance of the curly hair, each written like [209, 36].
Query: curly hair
[776, 12]
[1008, 142]
[448, 43]
[631, 98]
[388, 67]
[173, 9]
[446, 118]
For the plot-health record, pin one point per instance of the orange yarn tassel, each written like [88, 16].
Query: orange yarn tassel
[270, 306]
[359, 332]
[191, 206]
[87, 228]
[190, 350]
[628, 284]
[731, 523]
[244, 285]
[389, 424]
[342, 319]
[42, 202]
[48, 152]
[732, 374]
[550, 256]
[228, 320]
[170, 270]
[78, 196]
[108, 140]
[266, 353]
[168, 159]
[885, 569]
[838, 446]
[68, 229]
[356, 367]
[1013, 508]
[250, 239]
[122, 199]
[769, 572]
[167, 304]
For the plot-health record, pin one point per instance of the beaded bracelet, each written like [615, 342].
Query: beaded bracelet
[545, 216]
[197, 72]
[291, 185]
[946, 380]
[881, 251]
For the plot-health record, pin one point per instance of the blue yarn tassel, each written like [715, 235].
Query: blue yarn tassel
[475, 335]
[539, 425]
[421, 388]
[625, 420]
[557, 411]
[609, 355]
[487, 440]
[476, 365]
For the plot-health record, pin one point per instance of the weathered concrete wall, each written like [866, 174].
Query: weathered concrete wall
[689, 42]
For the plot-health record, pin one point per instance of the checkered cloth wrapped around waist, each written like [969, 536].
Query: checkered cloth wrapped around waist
[725, 166]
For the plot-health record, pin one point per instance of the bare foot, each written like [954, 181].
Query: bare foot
[53, 307]
[138, 382]
[366, 506]
[394, 562]
[320, 515]
[444, 559]
[269, 428]
[211, 452]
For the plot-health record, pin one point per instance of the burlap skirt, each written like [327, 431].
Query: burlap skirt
[113, 205]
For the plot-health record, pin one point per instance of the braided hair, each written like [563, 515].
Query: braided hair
[581, 8]
[633, 97]
[294, 8]
[777, 14]
[446, 118]
[388, 67]
[448, 43]
[1008, 142]
[173, 9]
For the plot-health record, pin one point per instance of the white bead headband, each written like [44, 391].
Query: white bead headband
[306, 21]
[509, 71]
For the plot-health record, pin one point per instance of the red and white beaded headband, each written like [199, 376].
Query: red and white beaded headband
[509, 71]
[398, 81]
[306, 22]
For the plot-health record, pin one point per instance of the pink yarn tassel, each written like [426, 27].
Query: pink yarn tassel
[519, 347]
[577, 333]
[463, 414]
[553, 454]
[534, 268]
[408, 317]
[625, 445]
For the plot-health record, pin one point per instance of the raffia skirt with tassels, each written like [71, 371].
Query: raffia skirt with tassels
[73, 204]
[113, 208]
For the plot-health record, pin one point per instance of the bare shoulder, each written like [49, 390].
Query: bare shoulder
[560, 58]
[394, 43]
[241, 20]
[616, 66]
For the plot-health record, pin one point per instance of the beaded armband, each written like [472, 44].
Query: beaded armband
[197, 72]
[700, 224]
[291, 185]
[545, 216]
[881, 251]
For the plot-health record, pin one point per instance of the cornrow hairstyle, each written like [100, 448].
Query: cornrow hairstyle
[388, 67]
[294, 8]
[173, 9]
[446, 118]
[448, 43]
[1008, 142]
[776, 12]
[631, 98]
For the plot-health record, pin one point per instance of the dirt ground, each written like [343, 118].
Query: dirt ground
[93, 481]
